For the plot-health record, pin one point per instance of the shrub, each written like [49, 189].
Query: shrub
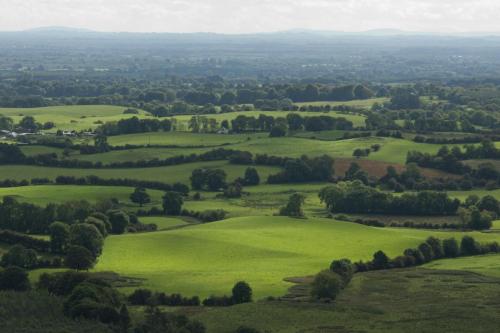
[450, 248]
[380, 260]
[469, 246]
[241, 293]
[344, 268]
[326, 284]
[79, 258]
[14, 278]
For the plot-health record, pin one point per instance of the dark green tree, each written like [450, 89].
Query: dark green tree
[241, 293]
[140, 196]
[326, 284]
[59, 235]
[172, 203]
[79, 258]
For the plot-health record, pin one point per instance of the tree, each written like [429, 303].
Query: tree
[79, 258]
[172, 203]
[295, 121]
[277, 131]
[87, 236]
[469, 246]
[489, 203]
[19, 256]
[294, 206]
[343, 268]
[140, 196]
[119, 221]
[198, 179]
[216, 179]
[426, 251]
[28, 123]
[326, 284]
[479, 220]
[437, 248]
[380, 260]
[233, 190]
[251, 177]
[241, 293]
[14, 278]
[59, 235]
[450, 248]
[101, 143]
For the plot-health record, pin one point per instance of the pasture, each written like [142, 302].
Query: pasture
[209, 258]
[44, 194]
[72, 117]
[167, 174]
[411, 300]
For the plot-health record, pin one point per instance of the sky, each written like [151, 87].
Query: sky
[250, 16]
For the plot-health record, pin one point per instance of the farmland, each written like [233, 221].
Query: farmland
[206, 259]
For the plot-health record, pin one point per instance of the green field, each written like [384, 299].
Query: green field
[357, 120]
[487, 265]
[77, 117]
[209, 258]
[364, 103]
[168, 174]
[44, 194]
[411, 300]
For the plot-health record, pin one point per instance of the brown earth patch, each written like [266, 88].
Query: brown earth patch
[379, 169]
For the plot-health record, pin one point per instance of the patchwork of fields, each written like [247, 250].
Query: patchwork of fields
[252, 244]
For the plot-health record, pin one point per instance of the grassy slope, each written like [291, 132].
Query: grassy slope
[209, 258]
[412, 301]
[169, 174]
[487, 265]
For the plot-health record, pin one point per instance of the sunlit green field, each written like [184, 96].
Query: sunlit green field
[357, 120]
[210, 258]
[392, 150]
[77, 117]
[168, 174]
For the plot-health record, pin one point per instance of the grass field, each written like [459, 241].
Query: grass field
[182, 139]
[77, 117]
[365, 103]
[411, 300]
[487, 265]
[168, 174]
[357, 120]
[44, 194]
[210, 258]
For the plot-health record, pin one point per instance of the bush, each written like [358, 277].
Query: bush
[380, 260]
[469, 246]
[14, 278]
[326, 284]
[450, 248]
[241, 293]
[140, 297]
[79, 258]
[344, 268]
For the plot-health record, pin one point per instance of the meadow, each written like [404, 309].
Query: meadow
[411, 300]
[391, 150]
[72, 117]
[167, 174]
[44, 194]
[209, 258]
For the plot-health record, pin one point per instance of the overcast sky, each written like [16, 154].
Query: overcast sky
[244, 16]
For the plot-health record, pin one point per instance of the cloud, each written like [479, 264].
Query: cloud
[241, 16]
